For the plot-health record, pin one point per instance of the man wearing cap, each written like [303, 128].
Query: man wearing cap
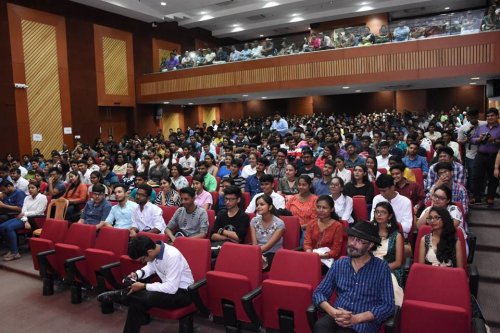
[365, 296]
[96, 210]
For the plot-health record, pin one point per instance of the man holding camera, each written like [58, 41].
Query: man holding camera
[170, 266]
[487, 137]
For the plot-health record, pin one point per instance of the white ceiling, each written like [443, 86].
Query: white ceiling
[248, 19]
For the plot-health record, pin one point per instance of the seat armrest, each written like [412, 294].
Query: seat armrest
[473, 279]
[106, 273]
[406, 269]
[391, 324]
[471, 241]
[312, 316]
[44, 262]
[478, 325]
[247, 301]
[194, 292]
[70, 267]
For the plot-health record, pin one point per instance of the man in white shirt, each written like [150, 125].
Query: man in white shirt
[266, 185]
[383, 158]
[146, 216]
[401, 205]
[84, 172]
[187, 161]
[169, 265]
[17, 165]
[18, 181]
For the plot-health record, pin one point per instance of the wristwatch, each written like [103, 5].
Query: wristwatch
[220, 231]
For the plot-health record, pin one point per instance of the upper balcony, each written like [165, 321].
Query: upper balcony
[423, 63]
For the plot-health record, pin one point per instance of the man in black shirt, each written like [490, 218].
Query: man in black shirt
[231, 223]
[307, 167]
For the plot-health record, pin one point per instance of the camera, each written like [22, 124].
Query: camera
[128, 281]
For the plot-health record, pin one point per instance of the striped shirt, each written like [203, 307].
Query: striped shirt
[369, 289]
[458, 174]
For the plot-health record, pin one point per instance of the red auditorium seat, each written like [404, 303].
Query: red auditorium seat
[168, 212]
[419, 176]
[218, 184]
[287, 293]
[110, 245]
[360, 208]
[189, 179]
[197, 253]
[238, 270]
[53, 232]
[291, 237]
[437, 299]
[78, 238]
[211, 221]
[246, 199]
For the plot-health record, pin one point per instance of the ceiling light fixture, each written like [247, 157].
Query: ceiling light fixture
[206, 17]
[346, 87]
[244, 95]
[475, 78]
[264, 97]
[261, 35]
[364, 3]
[358, 91]
[446, 8]
[270, 4]
[364, 9]
[237, 29]
[163, 3]
[235, 25]
[294, 14]
[296, 19]
[203, 13]
[166, 102]
[190, 103]
[473, 83]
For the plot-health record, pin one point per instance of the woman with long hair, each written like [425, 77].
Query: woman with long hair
[372, 166]
[212, 167]
[76, 194]
[158, 170]
[97, 178]
[391, 246]
[266, 229]
[325, 232]
[178, 179]
[360, 185]
[91, 164]
[441, 247]
[341, 171]
[169, 159]
[129, 177]
[303, 204]
[168, 196]
[289, 184]
[442, 198]
[225, 166]
[251, 167]
[40, 178]
[202, 198]
[329, 153]
[120, 167]
[343, 203]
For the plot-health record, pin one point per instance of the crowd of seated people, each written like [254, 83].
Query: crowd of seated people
[409, 169]
[336, 39]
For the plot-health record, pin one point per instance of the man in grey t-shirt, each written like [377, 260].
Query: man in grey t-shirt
[190, 220]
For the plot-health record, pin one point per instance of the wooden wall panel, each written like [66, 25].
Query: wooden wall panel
[39, 56]
[114, 67]
[412, 100]
[300, 106]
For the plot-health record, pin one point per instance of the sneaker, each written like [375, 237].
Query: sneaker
[11, 257]
[114, 296]
[8, 254]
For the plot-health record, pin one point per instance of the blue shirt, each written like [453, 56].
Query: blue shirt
[121, 217]
[111, 179]
[281, 126]
[16, 198]
[349, 164]
[94, 214]
[418, 162]
[252, 185]
[369, 289]
[320, 187]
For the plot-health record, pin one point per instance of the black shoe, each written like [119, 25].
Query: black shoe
[114, 296]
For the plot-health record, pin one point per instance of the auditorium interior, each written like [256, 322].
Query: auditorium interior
[77, 70]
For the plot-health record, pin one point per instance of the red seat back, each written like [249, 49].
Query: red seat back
[81, 235]
[419, 176]
[54, 231]
[246, 199]
[113, 239]
[218, 184]
[168, 212]
[376, 191]
[215, 199]
[359, 207]
[211, 221]
[197, 253]
[291, 237]
[343, 249]
[189, 179]
[154, 237]
[295, 266]
[230, 260]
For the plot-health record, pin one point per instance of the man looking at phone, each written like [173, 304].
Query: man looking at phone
[170, 266]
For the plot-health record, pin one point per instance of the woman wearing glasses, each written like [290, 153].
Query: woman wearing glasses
[442, 198]
[441, 247]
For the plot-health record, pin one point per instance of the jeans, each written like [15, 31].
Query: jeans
[483, 173]
[469, 166]
[143, 300]
[327, 324]
[8, 232]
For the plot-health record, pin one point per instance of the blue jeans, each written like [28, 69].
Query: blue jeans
[469, 165]
[8, 232]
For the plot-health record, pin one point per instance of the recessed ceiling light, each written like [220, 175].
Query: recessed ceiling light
[358, 91]
[364, 8]
[270, 4]
[237, 29]
[264, 97]
[235, 25]
[446, 8]
[261, 35]
[346, 87]
[206, 17]
[475, 78]
[364, 3]
[294, 14]
[296, 19]
[203, 13]
[163, 3]
[190, 103]
[244, 95]
[166, 102]
[308, 28]
[473, 83]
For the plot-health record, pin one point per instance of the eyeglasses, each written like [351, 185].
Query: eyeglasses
[358, 240]
[381, 212]
[433, 218]
[437, 197]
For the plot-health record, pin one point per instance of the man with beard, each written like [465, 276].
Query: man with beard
[365, 296]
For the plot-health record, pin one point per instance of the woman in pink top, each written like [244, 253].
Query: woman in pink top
[203, 198]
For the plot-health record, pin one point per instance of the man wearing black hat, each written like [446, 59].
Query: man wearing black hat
[365, 296]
